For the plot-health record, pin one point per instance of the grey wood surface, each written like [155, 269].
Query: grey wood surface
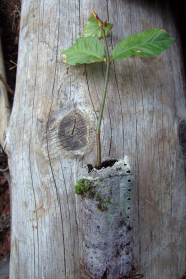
[144, 104]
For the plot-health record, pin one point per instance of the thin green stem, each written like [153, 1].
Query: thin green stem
[102, 102]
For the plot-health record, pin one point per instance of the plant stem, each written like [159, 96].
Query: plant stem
[102, 102]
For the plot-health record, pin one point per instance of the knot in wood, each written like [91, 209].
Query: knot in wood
[73, 132]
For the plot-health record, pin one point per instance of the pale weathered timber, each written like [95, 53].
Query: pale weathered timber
[144, 105]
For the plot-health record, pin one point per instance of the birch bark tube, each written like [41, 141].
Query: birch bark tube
[107, 221]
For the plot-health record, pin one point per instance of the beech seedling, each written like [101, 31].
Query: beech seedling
[89, 49]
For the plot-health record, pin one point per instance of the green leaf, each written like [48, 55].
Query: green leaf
[92, 29]
[148, 43]
[85, 50]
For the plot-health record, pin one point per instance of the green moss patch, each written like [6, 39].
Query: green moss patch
[81, 188]
[89, 191]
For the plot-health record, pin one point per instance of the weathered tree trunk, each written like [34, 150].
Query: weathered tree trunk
[144, 105]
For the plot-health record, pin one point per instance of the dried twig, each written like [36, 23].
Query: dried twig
[13, 66]
[4, 170]
[6, 85]
[16, 14]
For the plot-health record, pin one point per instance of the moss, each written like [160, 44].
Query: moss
[91, 194]
[102, 207]
[86, 190]
[111, 200]
[81, 188]
[103, 202]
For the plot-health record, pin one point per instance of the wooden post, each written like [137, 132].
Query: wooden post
[51, 136]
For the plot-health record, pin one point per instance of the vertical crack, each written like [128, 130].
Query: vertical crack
[34, 195]
[30, 163]
[121, 108]
[48, 151]
[85, 72]
[79, 17]
[107, 11]
[52, 172]
[137, 181]
[110, 133]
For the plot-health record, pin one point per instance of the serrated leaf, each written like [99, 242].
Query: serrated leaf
[92, 29]
[148, 43]
[84, 51]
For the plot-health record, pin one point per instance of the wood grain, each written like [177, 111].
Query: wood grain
[144, 105]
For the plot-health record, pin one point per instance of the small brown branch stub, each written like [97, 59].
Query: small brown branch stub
[6, 85]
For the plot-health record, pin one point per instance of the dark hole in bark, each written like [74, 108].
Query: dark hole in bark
[128, 171]
[129, 228]
[129, 189]
[108, 163]
[129, 180]
[104, 164]
[128, 199]
[104, 275]
[90, 167]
